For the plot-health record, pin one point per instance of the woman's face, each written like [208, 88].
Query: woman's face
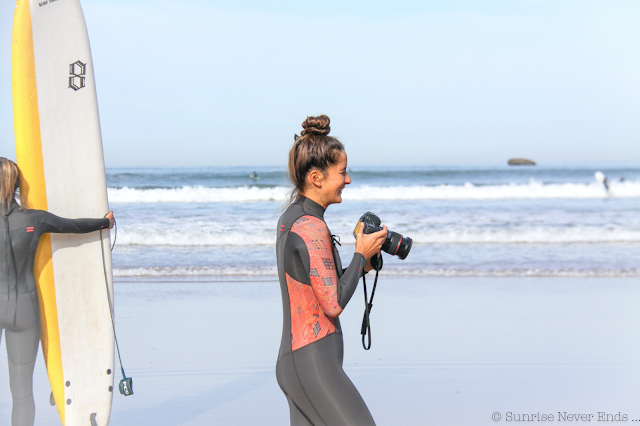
[333, 181]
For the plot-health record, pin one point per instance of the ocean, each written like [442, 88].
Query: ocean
[552, 221]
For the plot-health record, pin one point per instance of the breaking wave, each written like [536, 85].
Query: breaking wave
[441, 272]
[468, 191]
[193, 271]
[512, 235]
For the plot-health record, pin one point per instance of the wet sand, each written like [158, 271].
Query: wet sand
[446, 351]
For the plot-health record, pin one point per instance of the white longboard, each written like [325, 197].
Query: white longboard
[59, 152]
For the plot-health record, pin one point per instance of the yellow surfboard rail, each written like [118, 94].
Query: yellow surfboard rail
[26, 121]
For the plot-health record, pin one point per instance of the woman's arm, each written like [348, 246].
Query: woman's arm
[370, 245]
[349, 279]
[309, 259]
[51, 223]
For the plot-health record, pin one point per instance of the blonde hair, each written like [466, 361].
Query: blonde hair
[9, 181]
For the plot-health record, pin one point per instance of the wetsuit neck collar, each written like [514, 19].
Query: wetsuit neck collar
[311, 206]
[5, 211]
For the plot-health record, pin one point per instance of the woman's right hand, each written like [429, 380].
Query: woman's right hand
[370, 244]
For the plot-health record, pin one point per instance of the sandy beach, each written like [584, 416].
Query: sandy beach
[446, 351]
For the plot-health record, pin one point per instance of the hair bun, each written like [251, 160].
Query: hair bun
[316, 125]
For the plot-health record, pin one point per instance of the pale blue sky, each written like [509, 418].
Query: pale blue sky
[406, 82]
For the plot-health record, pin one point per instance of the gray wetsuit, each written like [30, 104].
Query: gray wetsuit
[315, 290]
[19, 312]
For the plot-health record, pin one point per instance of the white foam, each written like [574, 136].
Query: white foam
[196, 194]
[468, 191]
[438, 272]
[584, 273]
[523, 235]
[203, 237]
[515, 235]
[193, 271]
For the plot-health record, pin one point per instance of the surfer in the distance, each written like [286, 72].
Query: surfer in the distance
[19, 312]
[601, 178]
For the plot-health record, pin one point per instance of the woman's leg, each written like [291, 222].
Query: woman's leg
[22, 349]
[296, 416]
[290, 385]
[321, 389]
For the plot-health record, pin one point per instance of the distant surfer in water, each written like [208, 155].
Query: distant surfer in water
[19, 312]
[315, 289]
[254, 176]
[600, 177]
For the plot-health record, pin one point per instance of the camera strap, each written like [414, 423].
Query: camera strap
[368, 304]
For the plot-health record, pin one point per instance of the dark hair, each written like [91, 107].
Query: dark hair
[9, 181]
[312, 150]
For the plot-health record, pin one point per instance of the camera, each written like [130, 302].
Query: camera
[395, 244]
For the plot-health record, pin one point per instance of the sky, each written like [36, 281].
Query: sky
[217, 83]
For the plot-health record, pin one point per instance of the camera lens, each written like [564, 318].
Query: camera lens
[405, 247]
[397, 245]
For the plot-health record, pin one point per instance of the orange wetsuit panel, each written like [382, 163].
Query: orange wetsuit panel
[314, 307]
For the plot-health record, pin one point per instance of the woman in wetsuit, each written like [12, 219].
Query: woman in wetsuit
[315, 288]
[19, 312]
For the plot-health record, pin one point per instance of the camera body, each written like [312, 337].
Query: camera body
[395, 244]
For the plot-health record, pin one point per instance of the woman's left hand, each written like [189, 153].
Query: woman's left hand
[112, 220]
[368, 266]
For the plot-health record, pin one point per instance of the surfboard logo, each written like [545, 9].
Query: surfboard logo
[77, 71]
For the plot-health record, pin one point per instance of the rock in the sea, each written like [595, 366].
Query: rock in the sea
[521, 162]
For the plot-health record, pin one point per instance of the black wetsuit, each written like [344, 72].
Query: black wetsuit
[315, 290]
[19, 312]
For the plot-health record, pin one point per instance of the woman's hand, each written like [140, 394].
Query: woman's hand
[112, 220]
[369, 266]
[370, 244]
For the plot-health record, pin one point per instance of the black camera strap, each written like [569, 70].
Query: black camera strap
[368, 304]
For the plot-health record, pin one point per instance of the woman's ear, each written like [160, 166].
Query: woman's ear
[315, 178]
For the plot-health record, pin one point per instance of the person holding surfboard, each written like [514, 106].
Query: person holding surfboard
[19, 312]
[315, 289]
